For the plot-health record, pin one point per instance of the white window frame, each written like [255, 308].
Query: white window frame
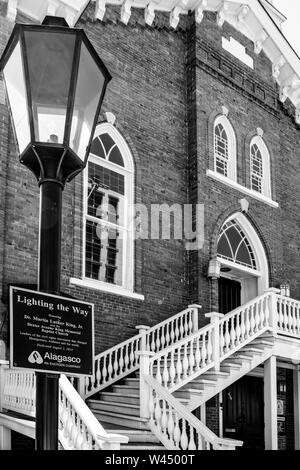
[266, 179]
[127, 287]
[231, 161]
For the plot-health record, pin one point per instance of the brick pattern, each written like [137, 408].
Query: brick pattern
[208, 93]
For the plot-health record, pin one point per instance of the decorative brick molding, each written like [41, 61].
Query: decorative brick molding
[236, 76]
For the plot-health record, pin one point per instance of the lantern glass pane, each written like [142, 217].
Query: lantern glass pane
[87, 96]
[16, 90]
[50, 59]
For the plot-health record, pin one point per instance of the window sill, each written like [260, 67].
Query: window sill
[242, 189]
[103, 287]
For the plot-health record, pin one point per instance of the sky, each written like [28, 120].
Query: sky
[291, 9]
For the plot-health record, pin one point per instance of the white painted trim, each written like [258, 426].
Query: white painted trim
[105, 287]
[231, 162]
[128, 241]
[237, 50]
[262, 272]
[270, 399]
[242, 189]
[266, 178]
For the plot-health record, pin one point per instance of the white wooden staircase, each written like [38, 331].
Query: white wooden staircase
[145, 389]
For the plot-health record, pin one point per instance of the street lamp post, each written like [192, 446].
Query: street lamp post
[55, 84]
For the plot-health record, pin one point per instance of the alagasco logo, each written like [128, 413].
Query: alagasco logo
[35, 358]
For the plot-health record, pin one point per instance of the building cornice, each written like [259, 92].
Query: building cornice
[258, 20]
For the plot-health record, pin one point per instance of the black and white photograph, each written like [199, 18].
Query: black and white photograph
[149, 228]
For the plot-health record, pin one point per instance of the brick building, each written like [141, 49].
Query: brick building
[202, 110]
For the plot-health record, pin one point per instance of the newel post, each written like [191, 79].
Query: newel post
[273, 308]
[81, 386]
[195, 316]
[144, 355]
[215, 318]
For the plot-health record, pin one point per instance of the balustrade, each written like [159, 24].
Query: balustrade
[121, 360]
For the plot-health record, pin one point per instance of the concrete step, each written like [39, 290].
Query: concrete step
[120, 420]
[121, 408]
[120, 398]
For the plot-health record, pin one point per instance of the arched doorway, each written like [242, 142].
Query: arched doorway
[244, 275]
[244, 271]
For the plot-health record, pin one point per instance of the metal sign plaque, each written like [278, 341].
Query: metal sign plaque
[49, 333]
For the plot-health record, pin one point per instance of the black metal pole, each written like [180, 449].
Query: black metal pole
[47, 385]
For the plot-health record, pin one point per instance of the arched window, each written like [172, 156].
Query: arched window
[108, 202]
[224, 148]
[260, 167]
[234, 246]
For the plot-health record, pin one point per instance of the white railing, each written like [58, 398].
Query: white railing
[243, 324]
[19, 391]
[182, 362]
[78, 427]
[178, 428]
[288, 311]
[123, 359]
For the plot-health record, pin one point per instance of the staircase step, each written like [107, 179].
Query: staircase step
[120, 420]
[243, 357]
[141, 447]
[120, 398]
[253, 349]
[260, 342]
[215, 375]
[121, 408]
[136, 436]
[132, 382]
[203, 381]
[227, 366]
[186, 393]
[125, 389]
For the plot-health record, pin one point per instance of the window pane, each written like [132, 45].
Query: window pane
[224, 248]
[107, 142]
[89, 87]
[243, 255]
[15, 85]
[235, 246]
[104, 253]
[106, 178]
[116, 157]
[97, 149]
[50, 58]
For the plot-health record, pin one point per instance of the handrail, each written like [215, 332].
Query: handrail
[78, 427]
[288, 311]
[185, 360]
[178, 428]
[121, 360]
